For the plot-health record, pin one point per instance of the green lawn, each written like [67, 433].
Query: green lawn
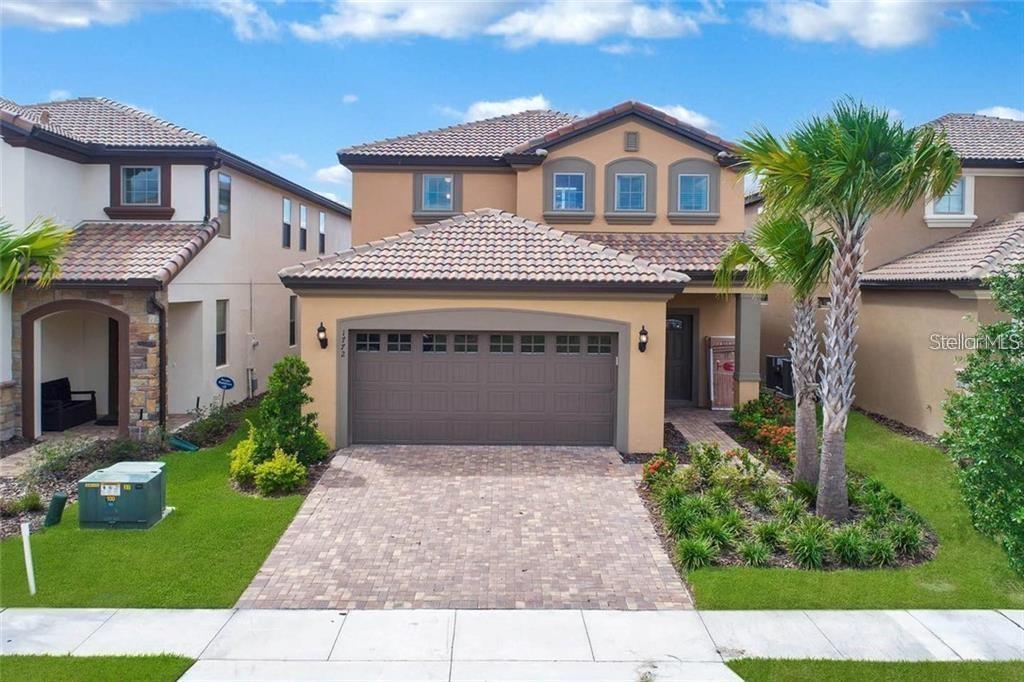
[970, 571]
[758, 669]
[93, 668]
[202, 555]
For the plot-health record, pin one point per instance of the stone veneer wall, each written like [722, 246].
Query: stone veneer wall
[143, 348]
[8, 410]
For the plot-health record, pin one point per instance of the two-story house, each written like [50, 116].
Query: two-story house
[531, 278]
[170, 279]
[923, 294]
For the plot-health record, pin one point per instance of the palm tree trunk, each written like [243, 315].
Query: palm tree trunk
[837, 377]
[803, 350]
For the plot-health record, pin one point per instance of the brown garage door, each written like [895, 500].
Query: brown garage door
[482, 387]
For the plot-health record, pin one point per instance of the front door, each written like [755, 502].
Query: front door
[679, 357]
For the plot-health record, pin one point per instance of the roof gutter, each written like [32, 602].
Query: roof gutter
[293, 282]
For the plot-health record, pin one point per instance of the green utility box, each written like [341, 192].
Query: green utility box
[125, 495]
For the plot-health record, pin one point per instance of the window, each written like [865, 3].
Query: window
[140, 185]
[568, 191]
[367, 342]
[466, 343]
[303, 227]
[693, 193]
[224, 204]
[632, 141]
[399, 343]
[292, 310]
[322, 244]
[531, 343]
[952, 202]
[630, 192]
[599, 344]
[502, 343]
[567, 344]
[286, 223]
[221, 340]
[437, 192]
[435, 343]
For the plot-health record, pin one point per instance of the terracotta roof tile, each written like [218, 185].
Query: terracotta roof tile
[486, 246]
[98, 120]
[978, 137]
[132, 253]
[693, 254]
[968, 257]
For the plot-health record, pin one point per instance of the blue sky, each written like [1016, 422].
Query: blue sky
[287, 84]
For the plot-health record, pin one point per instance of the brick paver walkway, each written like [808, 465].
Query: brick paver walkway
[698, 426]
[471, 527]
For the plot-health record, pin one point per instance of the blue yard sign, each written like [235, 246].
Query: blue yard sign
[225, 383]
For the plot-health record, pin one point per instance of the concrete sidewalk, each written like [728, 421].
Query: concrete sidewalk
[270, 644]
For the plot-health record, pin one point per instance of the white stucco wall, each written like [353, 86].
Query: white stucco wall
[74, 345]
[187, 192]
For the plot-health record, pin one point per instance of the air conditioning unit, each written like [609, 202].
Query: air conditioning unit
[125, 495]
[778, 374]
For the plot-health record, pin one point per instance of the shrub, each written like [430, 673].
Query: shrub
[670, 495]
[9, 507]
[771, 533]
[881, 551]
[56, 457]
[730, 478]
[695, 553]
[849, 546]
[242, 467]
[768, 408]
[734, 521]
[210, 425]
[777, 441]
[716, 530]
[880, 506]
[763, 497]
[281, 423]
[31, 502]
[720, 498]
[681, 519]
[28, 502]
[906, 536]
[790, 509]
[754, 553]
[658, 469]
[985, 421]
[805, 491]
[807, 545]
[705, 458]
[279, 475]
[688, 478]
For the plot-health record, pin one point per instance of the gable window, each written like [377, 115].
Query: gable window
[286, 223]
[302, 227]
[693, 192]
[221, 333]
[568, 191]
[438, 192]
[322, 237]
[952, 202]
[293, 302]
[224, 204]
[140, 185]
[630, 192]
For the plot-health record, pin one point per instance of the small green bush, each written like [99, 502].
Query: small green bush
[734, 520]
[670, 495]
[281, 422]
[682, 518]
[28, 502]
[906, 536]
[720, 498]
[31, 502]
[716, 530]
[242, 467]
[804, 491]
[694, 553]
[687, 478]
[279, 475]
[790, 509]
[706, 458]
[807, 544]
[881, 551]
[849, 546]
[771, 533]
[754, 553]
[763, 497]
[659, 469]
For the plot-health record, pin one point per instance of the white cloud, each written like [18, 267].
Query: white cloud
[491, 108]
[1003, 112]
[874, 24]
[58, 94]
[626, 48]
[330, 195]
[349, 99]
[397, 18]
[292, 160]
[249, 21]
[334, 175]
[685, 115]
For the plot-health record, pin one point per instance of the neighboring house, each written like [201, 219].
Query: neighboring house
[170, 279]
[922, 294]
[465, 317]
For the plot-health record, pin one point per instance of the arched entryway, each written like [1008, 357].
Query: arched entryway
[117, 374]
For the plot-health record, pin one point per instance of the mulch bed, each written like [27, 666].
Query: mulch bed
[208, 431]
[902, 429]
[15, 444]
[674, 442]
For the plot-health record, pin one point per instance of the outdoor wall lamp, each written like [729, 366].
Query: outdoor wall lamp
[321, 335]
[643, 338]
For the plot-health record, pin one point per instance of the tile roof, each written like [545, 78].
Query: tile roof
[968, 257]
[696, 255]
[488, 138]
[140, 254]
[101, 121]
[983, 138]
[485, 247]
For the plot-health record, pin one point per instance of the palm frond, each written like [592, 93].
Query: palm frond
[41, 244]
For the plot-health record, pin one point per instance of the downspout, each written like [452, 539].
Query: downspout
[161, 311]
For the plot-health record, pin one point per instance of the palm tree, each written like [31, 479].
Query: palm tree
[786, 250]
[840, 170]
[41, 244]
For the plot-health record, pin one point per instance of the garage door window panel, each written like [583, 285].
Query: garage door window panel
[531, 344]
[502, 343]
[399, 343]
[567, 344]
[466, 343]
[435, 343]
[367, 343]
[599, 344]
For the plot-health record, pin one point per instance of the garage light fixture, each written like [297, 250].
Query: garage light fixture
[643, 338]
[321, 335]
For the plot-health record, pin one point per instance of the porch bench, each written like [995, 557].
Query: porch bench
[61, 409]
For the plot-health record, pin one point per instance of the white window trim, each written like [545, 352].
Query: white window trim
[124, 186]
[965, 219]
[227, 331]
[615, 189]
[679, 192]
[554, 190]
[451, 195]
[6, 363]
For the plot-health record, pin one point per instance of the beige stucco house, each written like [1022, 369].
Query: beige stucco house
[170, 280]
[531, 278]
[923, 292]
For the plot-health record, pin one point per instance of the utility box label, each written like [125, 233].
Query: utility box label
[110, 489]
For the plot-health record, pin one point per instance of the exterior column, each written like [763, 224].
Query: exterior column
[747, 377]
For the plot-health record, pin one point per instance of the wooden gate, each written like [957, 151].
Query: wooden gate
[722, 364]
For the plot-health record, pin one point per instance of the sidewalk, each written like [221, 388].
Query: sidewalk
[506, 645]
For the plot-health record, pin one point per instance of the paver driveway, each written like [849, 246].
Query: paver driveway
[471, 527]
